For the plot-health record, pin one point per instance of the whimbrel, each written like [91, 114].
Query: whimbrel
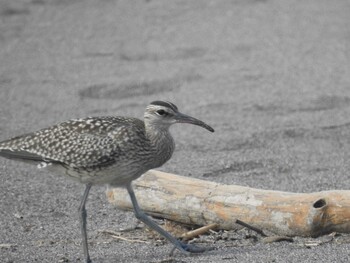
[106, 150]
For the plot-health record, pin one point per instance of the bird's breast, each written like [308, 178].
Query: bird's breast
[163, 150]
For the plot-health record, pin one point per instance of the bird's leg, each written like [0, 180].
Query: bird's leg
[183, 247]
[82, 217]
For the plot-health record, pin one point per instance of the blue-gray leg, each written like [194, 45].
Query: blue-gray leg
[82, 217]
[183, 247]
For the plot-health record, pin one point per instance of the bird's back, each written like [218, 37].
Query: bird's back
[89, 142]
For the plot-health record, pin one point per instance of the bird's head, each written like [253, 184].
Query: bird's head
[162, 114]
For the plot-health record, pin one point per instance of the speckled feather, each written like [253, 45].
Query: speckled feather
[89, 142]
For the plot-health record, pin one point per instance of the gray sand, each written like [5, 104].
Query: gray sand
[272, 77]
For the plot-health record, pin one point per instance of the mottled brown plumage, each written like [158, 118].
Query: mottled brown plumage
[104, 150]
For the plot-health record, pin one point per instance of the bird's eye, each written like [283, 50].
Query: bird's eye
[161, 112]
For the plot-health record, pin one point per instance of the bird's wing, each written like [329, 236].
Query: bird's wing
[79, 143]
[23, 155]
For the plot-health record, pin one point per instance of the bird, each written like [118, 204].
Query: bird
[107, 150]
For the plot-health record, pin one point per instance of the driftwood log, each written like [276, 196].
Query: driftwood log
[199, 202]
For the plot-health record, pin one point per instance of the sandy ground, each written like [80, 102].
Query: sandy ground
[272, 77]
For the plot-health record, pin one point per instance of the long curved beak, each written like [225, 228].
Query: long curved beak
[183, 118]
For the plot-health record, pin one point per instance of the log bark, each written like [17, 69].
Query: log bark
[198, 202]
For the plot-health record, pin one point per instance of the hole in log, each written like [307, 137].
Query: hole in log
[319, 203]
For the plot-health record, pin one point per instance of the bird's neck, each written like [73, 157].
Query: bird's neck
[162, 143]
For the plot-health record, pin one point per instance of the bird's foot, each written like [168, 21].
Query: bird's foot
[189, 248]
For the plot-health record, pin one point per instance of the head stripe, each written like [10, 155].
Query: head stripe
[165, 104]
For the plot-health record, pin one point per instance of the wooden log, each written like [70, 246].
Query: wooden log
[199, 202]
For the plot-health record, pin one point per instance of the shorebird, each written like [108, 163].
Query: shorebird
[106, 150]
